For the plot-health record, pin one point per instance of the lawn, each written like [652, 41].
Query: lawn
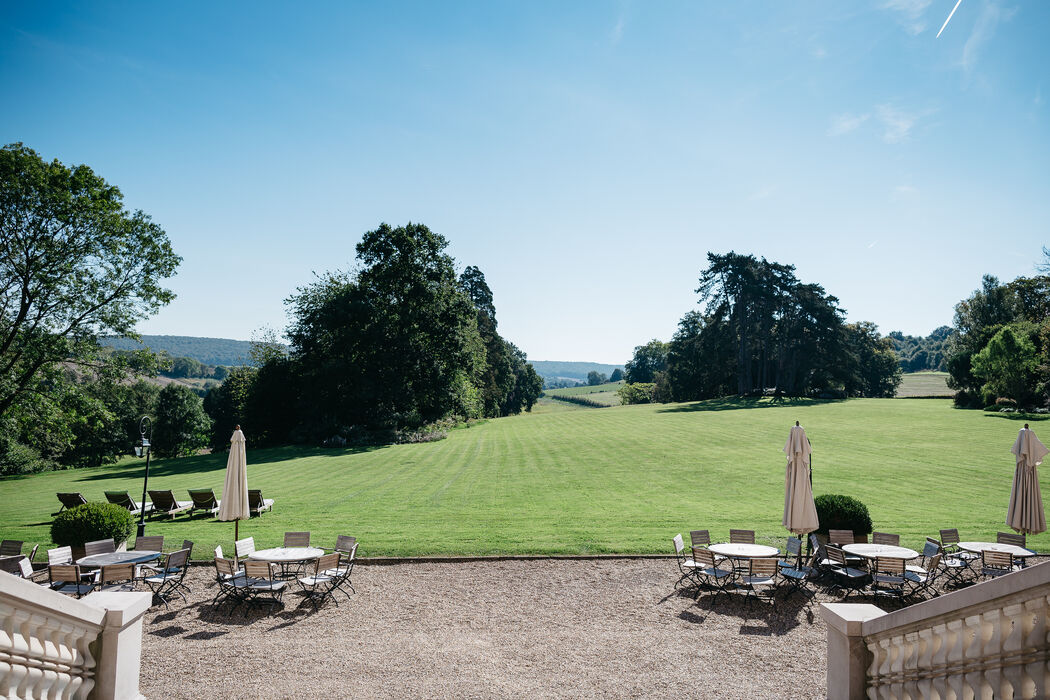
[601, 393]
[924, 384]
[620, 479]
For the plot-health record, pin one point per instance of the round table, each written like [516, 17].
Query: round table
[110, 558]
[740, 550]
[872, 551]
[287, 555]
[1012, 549]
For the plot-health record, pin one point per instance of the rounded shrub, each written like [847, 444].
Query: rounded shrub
[89, 522]
[836, 512]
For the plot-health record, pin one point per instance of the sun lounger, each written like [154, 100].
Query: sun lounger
[204, 499]
[70, 500]
[124, 500]
[164, 503]
[256, 503]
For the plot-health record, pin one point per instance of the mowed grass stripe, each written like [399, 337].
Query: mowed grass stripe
[621, 479]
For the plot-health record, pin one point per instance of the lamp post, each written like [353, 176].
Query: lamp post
[142, 449]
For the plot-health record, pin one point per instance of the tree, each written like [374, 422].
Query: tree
[616, 376]
[648, 359]
[226, 404]
[74, 265]
[182, 426]
[1008, 364]
[594, 378]
[871, 369]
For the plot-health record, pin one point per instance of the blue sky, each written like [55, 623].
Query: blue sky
[585, 156]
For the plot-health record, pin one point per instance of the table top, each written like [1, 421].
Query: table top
[996, 547]
[279, 554]
[871, 551]
[743, 550]
[111, 558]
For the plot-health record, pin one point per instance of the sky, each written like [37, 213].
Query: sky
[585, 156]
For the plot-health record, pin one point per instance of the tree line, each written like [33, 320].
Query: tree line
[763, 331]
[400, 344]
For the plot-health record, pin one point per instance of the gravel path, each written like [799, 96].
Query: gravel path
[539, 628]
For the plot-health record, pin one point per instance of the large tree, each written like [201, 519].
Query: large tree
[648, 360]
[74, 265]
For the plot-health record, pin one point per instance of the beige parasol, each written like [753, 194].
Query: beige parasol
[800, 515]
[234, 502]
[1025, 513]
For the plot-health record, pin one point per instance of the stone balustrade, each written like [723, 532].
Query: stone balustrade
[991, 640]
[53, 646]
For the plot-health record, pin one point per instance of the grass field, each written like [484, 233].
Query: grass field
[924, 385]
[621, 479]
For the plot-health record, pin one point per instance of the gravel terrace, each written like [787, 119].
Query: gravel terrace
[521, 628]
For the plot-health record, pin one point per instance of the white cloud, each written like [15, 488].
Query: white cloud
[983, 29]
[897, 124]
[845, 123]
[872, 244]
[763, 193]
[819, 53]
[904, 192]
[617, 31]
[909, 13]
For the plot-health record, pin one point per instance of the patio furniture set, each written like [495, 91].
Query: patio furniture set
[263, 576]
[103, 568]
[880, 569]
[164, 503]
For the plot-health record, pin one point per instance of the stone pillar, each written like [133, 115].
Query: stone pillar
[848, 657]
[120, 643]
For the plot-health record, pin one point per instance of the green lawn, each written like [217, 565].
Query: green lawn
[924, 384]
[601, 393]
[620, 479]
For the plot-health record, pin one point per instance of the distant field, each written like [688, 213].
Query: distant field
[619, 479]
[602, 393]
[924, 384]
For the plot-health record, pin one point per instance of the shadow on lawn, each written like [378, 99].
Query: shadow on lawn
[216, 462]
[1034, 418]
[733, 403]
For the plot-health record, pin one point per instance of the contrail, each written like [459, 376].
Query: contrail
[949, 18]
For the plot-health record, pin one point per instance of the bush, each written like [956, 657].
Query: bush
[842, 513]
[90, 522]
[16, 458]
[637, 392]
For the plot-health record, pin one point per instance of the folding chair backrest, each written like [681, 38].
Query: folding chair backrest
[99, 547]
[64, 573]
[344, 543]
[935, 561]
[352, 553]
[149, 543]
[742, 536]
[10, 548]
[60, 555]
[117, 573]
[203, 498]
[297, 539]
[244, 547]
[841, 536]
[225, 567]
[836, 555]
[257, 569]
[1017, 540]
[930, 549]
[888, 565]
[949, 537]
[704, 557]
[793, 546]
[814, 542]
[764, 567]
[700, 538]
[71, 500]
[328, 561]
[679, 544]
[11, 565]
[218, 552]
[177, 560]
[188, 544]
[997, 560]
[25, 568]
[885, 538]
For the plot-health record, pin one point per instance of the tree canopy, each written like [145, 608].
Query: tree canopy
[74, 265]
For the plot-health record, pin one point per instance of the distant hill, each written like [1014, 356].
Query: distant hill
[209, 351]
[571, 370]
